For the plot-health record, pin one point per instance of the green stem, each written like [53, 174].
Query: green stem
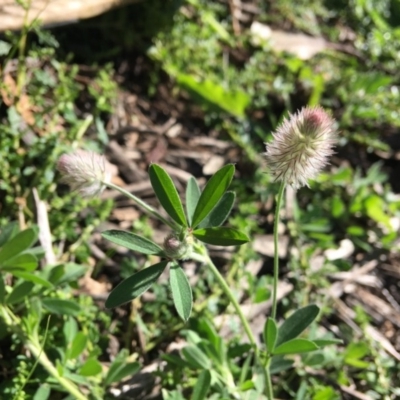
[150, 210]
[268, 380]
[232, 299]
[276, 252]
[36, 349]
[227, 290]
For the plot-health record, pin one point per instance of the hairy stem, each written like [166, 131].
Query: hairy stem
[228, 292]
[276, 252]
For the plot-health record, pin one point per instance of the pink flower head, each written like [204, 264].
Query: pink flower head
[85, 171]
[301, 146]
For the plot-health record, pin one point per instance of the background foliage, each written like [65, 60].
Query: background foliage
[69, 87]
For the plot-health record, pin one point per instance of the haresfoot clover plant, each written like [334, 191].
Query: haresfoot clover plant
[299, 150]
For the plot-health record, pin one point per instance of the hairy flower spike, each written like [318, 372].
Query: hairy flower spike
[85, 172]
[301, 146]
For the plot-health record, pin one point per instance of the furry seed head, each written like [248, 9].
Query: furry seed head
[85, 172]
[301, 146]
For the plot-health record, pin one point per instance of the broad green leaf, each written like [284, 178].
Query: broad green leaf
[133, 242]
[91, 368]
[192, 197]
[326, 342]
[27, 276]
[167, 194]
[221, 236]
[220, 212]
[196, 358]
[202, 385]
[181, 291]
[19, 292]
[135, 285]
[77, 346]
[24, 261]
[61, 306]
[9, 231]
[297, 323]
[270, 334]
[296, 346]
[120, 370]
[19, 243]
[212, 193]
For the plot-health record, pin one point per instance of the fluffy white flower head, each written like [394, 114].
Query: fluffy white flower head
[85, 171]
[301, 146]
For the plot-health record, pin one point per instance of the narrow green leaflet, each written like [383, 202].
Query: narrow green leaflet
[19, 292]
[212, 193]
[196, 358]
[77, 346]
[326, 342]
[181, 291]
[133, 242]
[91, 368]
[297, 323]
[220, 212]
[43, 393]
[202, 385]
[135, 285]
[167, 194]
[9, 231]
[25, 261]
[120, 370]
[64, 273]
[221, 236]
[270, 334]
[19, 243]
[61, 306]
[27, 276]
[279, 364]
[296, 346]
[192, 197]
